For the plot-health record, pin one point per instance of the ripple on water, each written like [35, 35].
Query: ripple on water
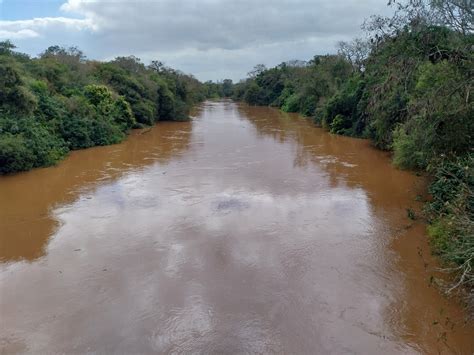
[244, 231]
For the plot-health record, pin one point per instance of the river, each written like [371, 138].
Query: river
[246, 230]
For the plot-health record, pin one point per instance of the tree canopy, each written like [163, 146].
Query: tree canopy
[62, 101]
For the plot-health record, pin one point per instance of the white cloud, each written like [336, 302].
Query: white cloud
[45, 24]
[20, 34]
[210, 38]
[34, 35]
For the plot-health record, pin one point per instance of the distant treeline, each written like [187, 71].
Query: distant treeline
[408, 87]
[61, 101]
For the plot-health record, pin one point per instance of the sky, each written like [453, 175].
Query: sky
[211, 39]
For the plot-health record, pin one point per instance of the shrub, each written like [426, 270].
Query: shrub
[253, 94]
[122, 114]
[104, 132]
[14, 96]
[292, 103]
[14, 154]
[340, 124]
[451, 215]
[26, 143]
[144, 112]
[411, 149]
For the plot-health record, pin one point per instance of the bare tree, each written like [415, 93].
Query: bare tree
[258, 69]
[457, 14]
[157, 66]
[355, 52]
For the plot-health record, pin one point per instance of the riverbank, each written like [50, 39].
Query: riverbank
[61, 102]
[146, 238]
[447, 212]
[408, 89]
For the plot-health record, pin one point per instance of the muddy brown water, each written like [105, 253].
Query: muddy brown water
[246, 230]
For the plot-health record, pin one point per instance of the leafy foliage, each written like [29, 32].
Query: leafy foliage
[61, 101]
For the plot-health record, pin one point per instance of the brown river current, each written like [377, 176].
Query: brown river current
[246, 230]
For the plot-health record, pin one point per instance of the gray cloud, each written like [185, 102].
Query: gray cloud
[212, 39]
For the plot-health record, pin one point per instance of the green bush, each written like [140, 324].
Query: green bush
[50, 107]
[144, 112]
[253, 95]
[292, 103]
[451, 214]
[26, 144]
[46, 147]
[14, 154]
[76, 131]
[340, 124]
[166, 103]
[308, 105]
[104, 132]
[411, 149]
[95, 120]
[98, 95]
[348, 104]
[14, 96]
[452, 185]
[122, 114]
[280, 100]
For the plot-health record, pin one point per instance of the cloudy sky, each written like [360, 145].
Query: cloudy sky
[212, 39]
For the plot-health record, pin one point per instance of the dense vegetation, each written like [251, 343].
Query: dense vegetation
[219, 89]
[407, 87]
[60, 101]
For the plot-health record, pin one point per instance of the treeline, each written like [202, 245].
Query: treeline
[220, 89]
[408, 88]
[61, 101]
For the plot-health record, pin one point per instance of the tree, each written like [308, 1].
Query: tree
[252, 95]
[70, 55]
[157, 66]
[6, 47]
[356, 52]
[62, 101]
[457, 14]
[227, 88]
[258, 69]
[131, 64]
[15, 98]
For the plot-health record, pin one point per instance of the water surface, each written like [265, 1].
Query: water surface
[246, 230]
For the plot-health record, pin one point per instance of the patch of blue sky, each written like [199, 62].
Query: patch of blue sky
[11, 10]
